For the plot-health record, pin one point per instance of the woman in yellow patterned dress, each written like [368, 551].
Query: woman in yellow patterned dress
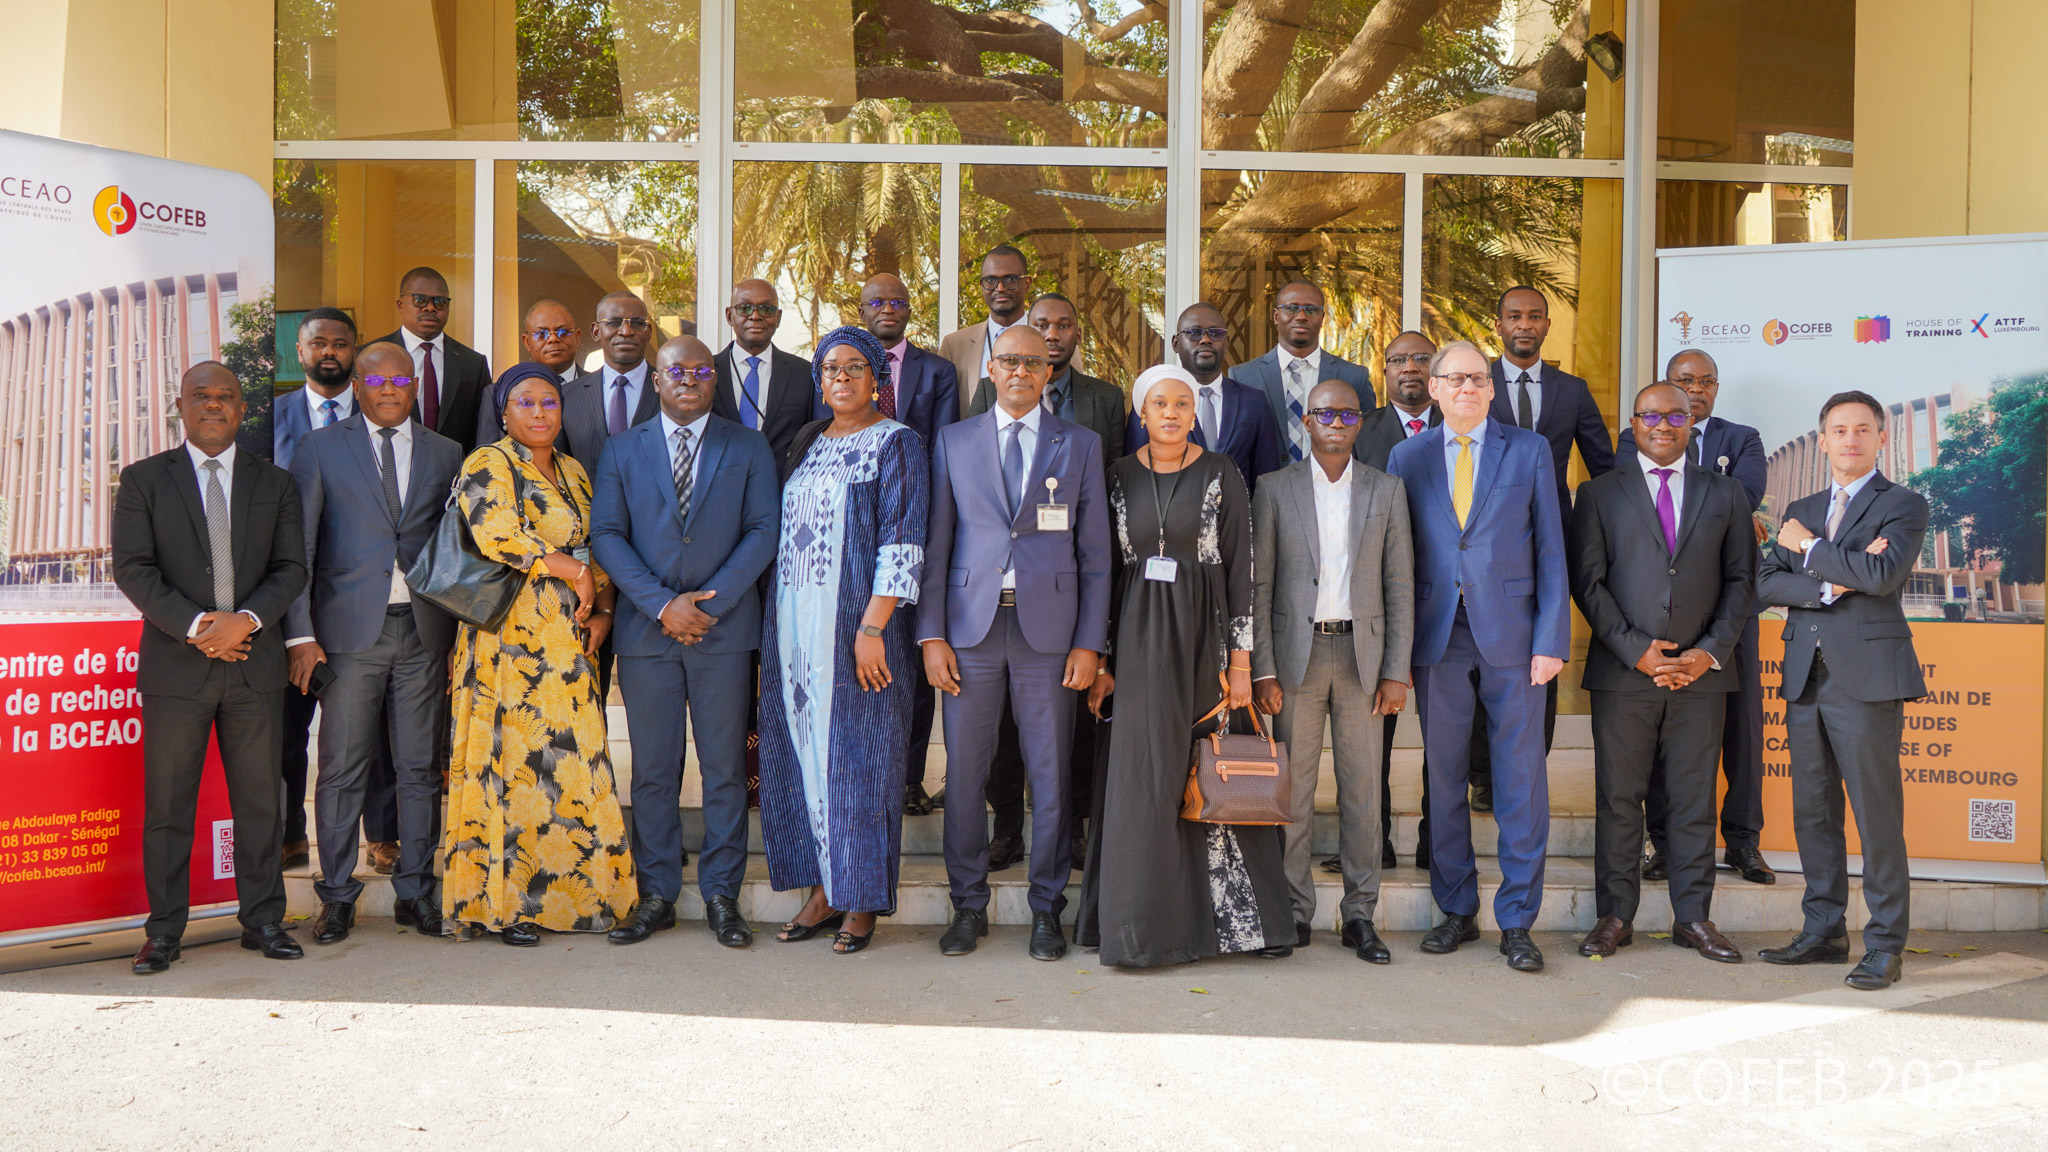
[535, 838]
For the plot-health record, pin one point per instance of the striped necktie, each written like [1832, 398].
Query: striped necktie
[682, 457]
[222, 537]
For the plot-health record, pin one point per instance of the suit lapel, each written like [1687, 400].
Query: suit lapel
[708, 454]
[1696, 481]
[238, 509]
[187, 484]
[358, 447]
[1489, 469]
[650, 401]
[1636, 494]
[1435, 480]
[1052, 434]
[1304, 488]
[414, 490]
[1857, 506]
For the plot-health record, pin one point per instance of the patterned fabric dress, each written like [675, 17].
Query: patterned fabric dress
[1159, 889]
[534, 828]
[832, 753]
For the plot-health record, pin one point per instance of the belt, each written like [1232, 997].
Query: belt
[1008, 599]
[398, 609]
[1333, 627]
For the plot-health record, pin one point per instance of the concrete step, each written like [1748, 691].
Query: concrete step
[1405, 902]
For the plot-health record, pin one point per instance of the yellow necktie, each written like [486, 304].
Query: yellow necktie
[1461, 486]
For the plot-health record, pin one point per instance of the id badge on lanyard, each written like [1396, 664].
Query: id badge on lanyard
[1164, 569]
[1052, 515]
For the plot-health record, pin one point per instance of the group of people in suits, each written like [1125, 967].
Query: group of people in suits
[814, 551]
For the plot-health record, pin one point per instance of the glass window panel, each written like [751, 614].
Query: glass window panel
[487, 70]
[1095, 235]
[1703, 213]
[1462, 78]
[348, 229]
[1339, 231]
[817, 231]
[955, 71]
[574, 232]
[1757, 81]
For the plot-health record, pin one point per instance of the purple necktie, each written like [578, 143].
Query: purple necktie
[1667, 513]
[615, 422]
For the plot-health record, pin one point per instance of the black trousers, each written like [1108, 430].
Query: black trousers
[924, 700]
[1632, 731]
[1742, 757]
[1006, 773]
[175, 733]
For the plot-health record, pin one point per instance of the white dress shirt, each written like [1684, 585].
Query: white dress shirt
[739, 382]
[421, 350]
[401, 456]
[1333, 532]
[1854, 489]
[227, 491]
[1510, 374]
[1027, 444]
[1656, 484]
[344, 406]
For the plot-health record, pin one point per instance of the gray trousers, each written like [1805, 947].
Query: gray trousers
[1841, 742]
[1331, 690]
[397, 686]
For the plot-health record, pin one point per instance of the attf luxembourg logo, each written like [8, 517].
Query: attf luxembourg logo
[1873, 329]
[113, 211]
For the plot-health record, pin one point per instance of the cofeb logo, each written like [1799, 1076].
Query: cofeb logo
[117, 213]
[1777, 331]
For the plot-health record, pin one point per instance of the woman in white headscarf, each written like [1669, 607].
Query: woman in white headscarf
[1159, 889]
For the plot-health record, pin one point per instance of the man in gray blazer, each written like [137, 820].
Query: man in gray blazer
[1297, 364]
[373, 487]
[1333, 620]
[1849, 667]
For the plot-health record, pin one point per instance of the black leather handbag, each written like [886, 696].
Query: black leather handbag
[453, 575]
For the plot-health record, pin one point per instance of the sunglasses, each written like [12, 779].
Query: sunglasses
[552, 333]
[1349, 417]
[1194, 335]
[702, 374]
[878, 303]
[1673, 419]
[422, 300]
[528, 404]
[381, 381]
[630, 323]
[1012, 362]
[1309, 310]
[764, 311]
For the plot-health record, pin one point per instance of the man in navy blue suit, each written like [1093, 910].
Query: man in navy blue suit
[1230, 417]
[924, 396]
[1015, 608]
[1492, 598]
[684, 517]
[1736, 450]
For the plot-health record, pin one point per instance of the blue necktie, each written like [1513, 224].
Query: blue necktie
[329, 412]
[1013, 466]
[750, 412]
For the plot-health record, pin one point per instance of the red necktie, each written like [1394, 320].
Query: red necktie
[885, 399]
[1414, 426]
[430, 388]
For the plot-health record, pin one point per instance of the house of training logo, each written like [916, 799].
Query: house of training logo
[1873, 329]
[113, 211]
[1776, 331]
[117, 214]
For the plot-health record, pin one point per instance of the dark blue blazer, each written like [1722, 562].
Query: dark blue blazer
[1508, 561]
[288, 422]
[1568, 416]
[1250, 438]
[351, 540]
[1062, 577]
[655, 555]
[1738, 444]
[927, 396]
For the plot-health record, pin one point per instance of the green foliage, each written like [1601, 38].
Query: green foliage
[1992, 481]
[250, 353]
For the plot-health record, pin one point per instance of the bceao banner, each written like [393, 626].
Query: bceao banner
[1948, 335]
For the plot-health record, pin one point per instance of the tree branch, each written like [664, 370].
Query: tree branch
[1245, 69]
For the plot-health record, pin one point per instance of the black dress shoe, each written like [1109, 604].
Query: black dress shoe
[964, 934]
[939, 798]
[1047, 941]
[1875, 972]
[1655, 868]
[727, 924]
[1749, 864]
[1522, 953]
[273, 942]
[334, 920]
[1705, 939]
[1808, 948]
[1387, 857]
[297, 854]
[650, 915]
[421, 913]
[1335, 865]
[1077, 851]
[916, 802]
[1422, 857]
[1004, 851]
[1455, 930]
[523, 934]
[156, 955]
[684, 862]
[1482, 797]
[1359, 936]
[1275, 952]
[1301, 935]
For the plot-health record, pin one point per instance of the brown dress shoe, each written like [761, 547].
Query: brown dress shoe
[383, 856]
[297, 854]
[1702, 937]
[1607, 935]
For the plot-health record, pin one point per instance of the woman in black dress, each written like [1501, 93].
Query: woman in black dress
[1159, 889]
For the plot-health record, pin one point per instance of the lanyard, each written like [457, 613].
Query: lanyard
[1160, 508]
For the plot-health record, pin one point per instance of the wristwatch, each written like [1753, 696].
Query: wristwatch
[1807, 544]
[870, 630]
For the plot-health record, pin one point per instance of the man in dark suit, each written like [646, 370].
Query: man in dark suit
[1491, 598]
[1014, 611]
[372, 487]
[1098, 406]
[207, 544]
[1728, 449]
[599, 405]
[1663, 564]
[454, 378]
[1849, 669]
[1230, 417]
[759, 385]
[549, 338]
[684, 517]
[1298, 363]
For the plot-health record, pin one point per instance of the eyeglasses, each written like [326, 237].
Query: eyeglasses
[1328, 416]
[1194, 335]
[1012, 362]
[854, 371]
[381, 381]
[528, 404]
[422, 300]
[1689, 382]
[764, 311]
[1309, 311]
[879, 303]
[1673, 419]
[630, 323]
[1466, 379]
[702, 373]
[545, 334]
[1011, 281]
[1419, 359]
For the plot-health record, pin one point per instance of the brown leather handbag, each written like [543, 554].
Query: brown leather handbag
[1237, 779]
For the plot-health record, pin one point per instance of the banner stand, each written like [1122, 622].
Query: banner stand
[107, 939]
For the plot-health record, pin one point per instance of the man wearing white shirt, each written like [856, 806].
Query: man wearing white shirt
[1297, 364]
[452, 378]
[760, 386]
[599, 405]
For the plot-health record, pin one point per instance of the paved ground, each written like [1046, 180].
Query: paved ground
[390, 1041]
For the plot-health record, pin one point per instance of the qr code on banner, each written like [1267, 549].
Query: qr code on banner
[223, 849]
[1993, 820]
